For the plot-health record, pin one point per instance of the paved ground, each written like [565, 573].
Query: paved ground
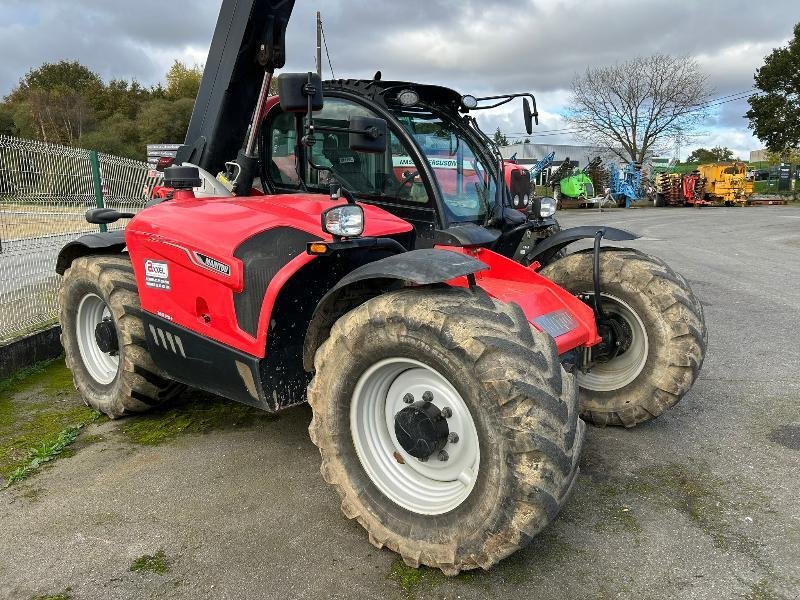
[701, 503]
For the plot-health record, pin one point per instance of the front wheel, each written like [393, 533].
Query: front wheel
[664, 332]
[446, 424]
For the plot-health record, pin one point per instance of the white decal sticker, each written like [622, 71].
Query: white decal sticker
[156, 274]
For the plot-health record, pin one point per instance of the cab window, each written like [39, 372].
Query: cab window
[392, 175]
[283, 144]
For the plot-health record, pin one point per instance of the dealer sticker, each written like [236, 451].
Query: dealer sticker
[156, 274]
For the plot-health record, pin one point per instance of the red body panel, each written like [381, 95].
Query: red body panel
[509, 281]
[200, 298]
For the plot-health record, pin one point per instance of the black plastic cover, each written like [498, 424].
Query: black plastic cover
[373, 141]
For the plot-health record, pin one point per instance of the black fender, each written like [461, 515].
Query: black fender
[547, 249]
[103, 242]
[418, 267]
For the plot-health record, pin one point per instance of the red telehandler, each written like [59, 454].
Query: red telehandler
[443, 413]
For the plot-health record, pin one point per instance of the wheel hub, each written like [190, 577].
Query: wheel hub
[105, 334]
[421, 429]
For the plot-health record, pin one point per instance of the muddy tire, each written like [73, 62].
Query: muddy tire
[118, 382]
[514, 412]
[658, 369]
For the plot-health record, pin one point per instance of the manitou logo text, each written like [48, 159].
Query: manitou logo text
[156, 274]
[213, 264]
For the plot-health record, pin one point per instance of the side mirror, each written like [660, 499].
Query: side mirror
[526, 111]
[295, 89]
[368, 134]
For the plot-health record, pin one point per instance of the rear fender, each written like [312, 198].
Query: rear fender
[104, 242]
[418, 267]
[546, 251]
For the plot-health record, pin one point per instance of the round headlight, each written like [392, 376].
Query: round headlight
[469, 101]
[547, 207]
[408, 98]
[346, 220]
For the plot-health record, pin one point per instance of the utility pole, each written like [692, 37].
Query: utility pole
[319, 45]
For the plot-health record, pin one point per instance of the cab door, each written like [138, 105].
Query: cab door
[391, 180]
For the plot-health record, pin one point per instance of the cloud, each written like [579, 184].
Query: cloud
[477, 46]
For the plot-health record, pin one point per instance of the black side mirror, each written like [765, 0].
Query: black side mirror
[526, 111]
[295, 89]
[368, 134]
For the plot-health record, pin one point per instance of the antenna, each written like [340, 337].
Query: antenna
[319, 45]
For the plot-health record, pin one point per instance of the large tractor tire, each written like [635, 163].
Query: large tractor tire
[667, 331]
[104, 341]
[446, 425]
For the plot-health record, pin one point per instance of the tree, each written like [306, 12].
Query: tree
[716, 154]
[633, 108]
[775, 113]
[51, 102]
[183, 81]
[499, 138]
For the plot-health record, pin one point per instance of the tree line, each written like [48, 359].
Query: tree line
[67, 103]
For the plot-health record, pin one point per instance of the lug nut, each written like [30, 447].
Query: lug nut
[444, 456]
[453, 438]
[423, 459]
[446, 412]
[427, 397]
[408, 398]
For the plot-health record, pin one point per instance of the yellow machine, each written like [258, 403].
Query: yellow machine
[726, 182]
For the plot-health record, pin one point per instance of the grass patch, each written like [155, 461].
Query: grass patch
[199, 414]
[40, 416]
[65, 595]
[157, 563]
[45, 452]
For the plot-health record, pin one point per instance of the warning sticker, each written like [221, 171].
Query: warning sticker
[156, 274]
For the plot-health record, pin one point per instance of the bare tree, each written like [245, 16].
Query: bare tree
[633, 108]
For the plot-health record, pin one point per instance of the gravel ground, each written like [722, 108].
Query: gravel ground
[701, 503]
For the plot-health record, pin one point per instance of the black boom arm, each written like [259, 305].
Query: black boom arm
[249, 40]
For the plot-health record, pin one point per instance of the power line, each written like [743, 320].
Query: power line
[734, 97]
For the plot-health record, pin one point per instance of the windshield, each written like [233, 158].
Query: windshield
[466, 181]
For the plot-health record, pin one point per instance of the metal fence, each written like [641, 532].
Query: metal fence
[45, 191]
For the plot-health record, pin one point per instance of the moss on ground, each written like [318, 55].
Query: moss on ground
[38, 409]
[65, 595]
[199, 413]
[157, 563]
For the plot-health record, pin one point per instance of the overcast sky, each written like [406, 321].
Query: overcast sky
[475, 46]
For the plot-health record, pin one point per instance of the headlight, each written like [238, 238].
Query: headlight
[343, 221]
[547, 207]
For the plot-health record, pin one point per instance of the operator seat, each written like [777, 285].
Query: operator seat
[346, 164]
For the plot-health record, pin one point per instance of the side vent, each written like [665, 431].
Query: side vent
[168, 341]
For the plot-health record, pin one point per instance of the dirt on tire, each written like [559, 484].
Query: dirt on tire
[139, 384]
[673, 319]
[524, 405]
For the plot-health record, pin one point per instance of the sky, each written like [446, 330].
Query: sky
[475, 46]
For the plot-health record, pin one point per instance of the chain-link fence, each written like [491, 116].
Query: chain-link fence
[45, 191]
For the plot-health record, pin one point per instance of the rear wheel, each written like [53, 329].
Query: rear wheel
[664, 330]
[103, 338]
[446, 424]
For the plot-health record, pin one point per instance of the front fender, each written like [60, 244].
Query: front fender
[547, 250]
[418, 267]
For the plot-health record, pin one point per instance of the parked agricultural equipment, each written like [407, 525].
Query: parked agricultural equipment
[626, 184]
[382, 273]
[574, 185]
[726, 182]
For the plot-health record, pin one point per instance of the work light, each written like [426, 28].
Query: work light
[346, 220]
[547, 207]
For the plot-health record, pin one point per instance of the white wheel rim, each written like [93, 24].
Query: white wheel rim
[432, 487]
[622, 370]
[102, 366]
